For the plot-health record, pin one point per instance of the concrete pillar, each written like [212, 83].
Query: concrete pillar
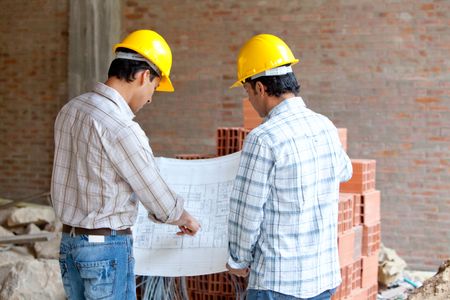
[94, 27]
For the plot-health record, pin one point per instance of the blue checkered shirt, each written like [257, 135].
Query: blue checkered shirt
[284, 204]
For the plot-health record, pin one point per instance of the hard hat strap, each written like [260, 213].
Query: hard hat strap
[138, 57]
[283, 70]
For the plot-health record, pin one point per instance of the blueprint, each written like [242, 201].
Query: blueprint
[206, 186]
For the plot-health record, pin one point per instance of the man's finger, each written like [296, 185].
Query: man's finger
[185, 230]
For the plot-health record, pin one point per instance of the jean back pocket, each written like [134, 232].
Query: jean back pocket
[98, 278]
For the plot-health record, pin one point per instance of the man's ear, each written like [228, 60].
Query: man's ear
[259, 88]
[143, 76]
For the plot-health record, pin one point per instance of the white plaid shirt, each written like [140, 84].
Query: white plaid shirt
[284, 204]
[104, 165]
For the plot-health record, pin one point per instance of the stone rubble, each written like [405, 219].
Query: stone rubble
[30, 271]
[435, 288]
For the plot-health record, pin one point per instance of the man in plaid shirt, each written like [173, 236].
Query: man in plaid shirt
[104, 166]
[284, 204]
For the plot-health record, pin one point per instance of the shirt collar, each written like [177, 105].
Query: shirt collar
[114, 96]
[285, 105]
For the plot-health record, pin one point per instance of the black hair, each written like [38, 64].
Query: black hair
[126, 68]
[277, 85]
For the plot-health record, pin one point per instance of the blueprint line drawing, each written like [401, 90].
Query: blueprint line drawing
[206, 186]
[209, 203]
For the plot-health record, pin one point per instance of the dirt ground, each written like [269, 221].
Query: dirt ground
[435, 288]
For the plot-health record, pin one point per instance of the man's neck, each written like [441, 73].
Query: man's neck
[121, 86]
[274, 101]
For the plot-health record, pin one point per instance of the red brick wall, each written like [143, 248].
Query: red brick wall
[378, 68]
[382, 71]
[33, 59]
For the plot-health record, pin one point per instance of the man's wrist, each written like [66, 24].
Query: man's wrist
[181, 220]
[236, 265]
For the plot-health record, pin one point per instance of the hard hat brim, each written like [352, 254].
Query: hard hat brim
[236, 84]
[165, 85]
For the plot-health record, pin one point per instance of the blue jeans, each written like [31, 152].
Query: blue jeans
[271, 295]
[98, 270]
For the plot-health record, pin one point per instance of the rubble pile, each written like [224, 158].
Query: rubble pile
[29, 270]
[390, 266]
[397, 283]
[436, 287]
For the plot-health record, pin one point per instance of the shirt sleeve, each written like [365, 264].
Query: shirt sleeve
[343, 162]
[250, 192]
[133, 159]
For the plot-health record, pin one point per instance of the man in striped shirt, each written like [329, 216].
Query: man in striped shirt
[103, 166]
[284, 204]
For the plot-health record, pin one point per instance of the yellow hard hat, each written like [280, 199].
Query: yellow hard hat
[153, 47]
[261, 53]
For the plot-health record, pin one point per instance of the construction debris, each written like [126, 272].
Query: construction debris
[30, 271]
[34, 214]
[27, 238]
[395, 282]
[4, 232]
[390, 266]
[33, 279]
[435, 288]
[4, 214]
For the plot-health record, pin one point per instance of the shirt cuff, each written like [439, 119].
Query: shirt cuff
[173, 216]
[236, 265]
[153, 218]
[177, 211]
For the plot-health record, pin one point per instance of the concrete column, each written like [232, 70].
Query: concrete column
[94, 28]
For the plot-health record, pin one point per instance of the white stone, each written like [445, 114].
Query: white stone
[14, 254]
[48, 249]
[5, 232]
[33, 279]
[31, 214]
[390, 266]
[10, 257]
[5, 213]
[32, 228]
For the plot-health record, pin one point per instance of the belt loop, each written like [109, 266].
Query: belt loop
[72, 232]
[113, 232]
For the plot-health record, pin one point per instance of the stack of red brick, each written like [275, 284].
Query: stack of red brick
[359, 231]
[228, 140]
